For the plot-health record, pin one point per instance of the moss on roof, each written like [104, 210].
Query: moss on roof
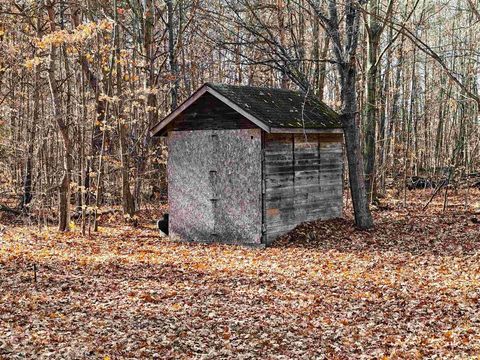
[280, 108]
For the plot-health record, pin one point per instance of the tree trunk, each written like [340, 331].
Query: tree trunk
[27, 182]
[322, 69]
[346, 56]
[100, 109]
[150, 84]
[171, 54]
[64, 186]
[281, 38]
[127, 199]
[363, 217]
[371, 108]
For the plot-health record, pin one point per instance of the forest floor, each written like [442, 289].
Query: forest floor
[410, 288]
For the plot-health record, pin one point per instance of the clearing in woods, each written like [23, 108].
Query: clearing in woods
[408, 289]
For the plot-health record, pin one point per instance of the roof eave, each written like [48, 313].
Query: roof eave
[306, 130]
[157, 129]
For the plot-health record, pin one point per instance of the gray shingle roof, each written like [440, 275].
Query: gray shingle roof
[273, 110]
[281, 108]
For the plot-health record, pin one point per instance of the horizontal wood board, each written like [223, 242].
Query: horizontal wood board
[209, 113]
[303, 177]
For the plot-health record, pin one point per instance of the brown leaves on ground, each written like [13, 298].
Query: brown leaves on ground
[408, 289]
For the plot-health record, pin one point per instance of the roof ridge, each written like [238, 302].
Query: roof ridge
[212, 84]
[307, 96]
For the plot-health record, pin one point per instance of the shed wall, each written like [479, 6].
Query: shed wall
[215, 190]
[303, 180]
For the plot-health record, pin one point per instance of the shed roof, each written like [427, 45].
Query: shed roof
[273, 110]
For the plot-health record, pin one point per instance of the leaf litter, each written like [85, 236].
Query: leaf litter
[407, 289]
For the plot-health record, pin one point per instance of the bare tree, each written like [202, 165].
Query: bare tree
[59, 117]
[345, 51]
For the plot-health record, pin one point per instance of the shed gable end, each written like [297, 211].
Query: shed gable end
[209, 113]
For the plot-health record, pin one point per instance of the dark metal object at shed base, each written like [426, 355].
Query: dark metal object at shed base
[249, 164]
[162, 225]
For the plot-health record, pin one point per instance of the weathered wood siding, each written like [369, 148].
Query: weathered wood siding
[303, 180]
[215, 191]
[209, 113]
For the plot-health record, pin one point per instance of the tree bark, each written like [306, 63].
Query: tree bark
[371, 112]
[27, 182]
[171, 55]
[150, 84]
[64, 186]
[127, 199]
[363, 217]
[346, 57]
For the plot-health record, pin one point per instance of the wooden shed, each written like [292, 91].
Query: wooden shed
[248, 164]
